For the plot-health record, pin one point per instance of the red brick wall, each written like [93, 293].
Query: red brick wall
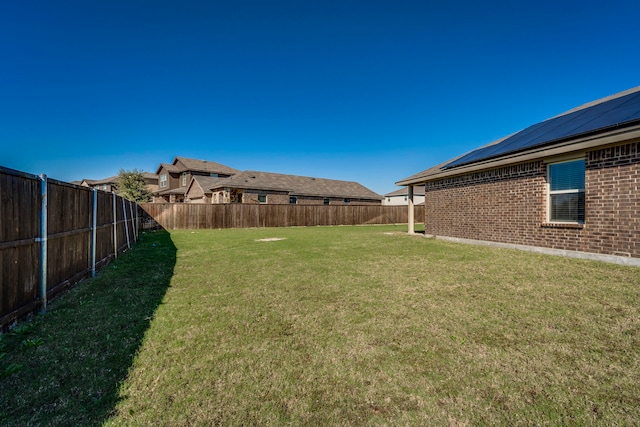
[613, 200]
[508, 205]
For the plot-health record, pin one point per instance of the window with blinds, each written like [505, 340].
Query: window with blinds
[566, 191]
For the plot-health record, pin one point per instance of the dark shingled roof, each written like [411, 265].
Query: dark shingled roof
[458, 163]
[297, 185]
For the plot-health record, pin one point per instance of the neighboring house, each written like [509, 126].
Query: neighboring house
[401, 197]
[106, 184]
[174, 178]
[111, 184]
[199, 189]
[151, 179]
[274, 188]
[570, 183]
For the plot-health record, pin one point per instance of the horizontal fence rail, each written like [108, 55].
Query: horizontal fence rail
[52, 235]
[172, 216]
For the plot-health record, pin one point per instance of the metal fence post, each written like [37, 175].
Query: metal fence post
[137, 222]
[133, 225]
[94, 230]
[115, 226]
[43, 243]
[126, 224]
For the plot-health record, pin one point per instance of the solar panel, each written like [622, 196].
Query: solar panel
[606, 114]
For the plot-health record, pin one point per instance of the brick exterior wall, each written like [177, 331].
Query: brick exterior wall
[613, 200]
[509, 205]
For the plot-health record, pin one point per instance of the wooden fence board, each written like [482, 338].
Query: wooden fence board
[20, 202]
[173, 216]
[69, 223]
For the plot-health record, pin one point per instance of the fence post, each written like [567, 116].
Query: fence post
[133, 225]
[137, 222]
[115, 226]
[126, 224]
[94, 230]
[43, 243]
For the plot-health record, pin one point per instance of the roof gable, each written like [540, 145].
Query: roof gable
[183, 164]
[206, 183]
[167, 167]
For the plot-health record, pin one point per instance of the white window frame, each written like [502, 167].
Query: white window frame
[556, 192]
[262, 195]
[163, 180]
[184, 179]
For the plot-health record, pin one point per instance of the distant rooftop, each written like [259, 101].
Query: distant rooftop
[298, 185]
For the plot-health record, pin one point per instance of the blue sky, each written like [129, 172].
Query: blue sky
[368, 91]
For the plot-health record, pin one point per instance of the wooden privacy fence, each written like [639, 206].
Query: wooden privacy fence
[52, 235]
[172, 216]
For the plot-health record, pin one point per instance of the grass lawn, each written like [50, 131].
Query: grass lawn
[330, 326]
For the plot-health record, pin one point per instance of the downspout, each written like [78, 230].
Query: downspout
[43, 244]
[410, 213]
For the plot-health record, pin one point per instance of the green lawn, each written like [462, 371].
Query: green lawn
[330, 326]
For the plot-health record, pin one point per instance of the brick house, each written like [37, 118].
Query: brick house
[111, 184]
[199, 189]
[105, 184]
[274, 188]
[174, 178]
[569, 183]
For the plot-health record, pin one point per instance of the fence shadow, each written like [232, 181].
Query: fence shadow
[66, 367]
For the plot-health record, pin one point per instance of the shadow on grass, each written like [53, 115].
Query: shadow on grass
[65, 368]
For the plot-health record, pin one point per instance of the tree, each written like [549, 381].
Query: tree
[131, 186]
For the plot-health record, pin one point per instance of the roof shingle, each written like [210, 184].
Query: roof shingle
[297, 185]
[203, 166]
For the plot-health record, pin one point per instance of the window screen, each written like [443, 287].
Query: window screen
[566, 195]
